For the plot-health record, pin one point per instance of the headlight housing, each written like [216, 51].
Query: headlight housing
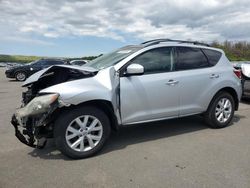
[37, 105]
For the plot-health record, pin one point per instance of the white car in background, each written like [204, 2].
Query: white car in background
[244, 68]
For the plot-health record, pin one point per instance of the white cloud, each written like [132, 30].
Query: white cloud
[26, 40]
[205, 20]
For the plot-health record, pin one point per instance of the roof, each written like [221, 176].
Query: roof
[170, 42]
[157, 41]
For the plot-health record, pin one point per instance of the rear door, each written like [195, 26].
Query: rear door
[153, 95]
[196, 79]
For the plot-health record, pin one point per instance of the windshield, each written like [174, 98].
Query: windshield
[33, 62]
[112, 58]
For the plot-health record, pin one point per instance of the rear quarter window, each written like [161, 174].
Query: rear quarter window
[213, 56]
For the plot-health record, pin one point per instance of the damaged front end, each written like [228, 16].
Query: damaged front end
[34, 121]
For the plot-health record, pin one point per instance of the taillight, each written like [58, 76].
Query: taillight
[237, 73]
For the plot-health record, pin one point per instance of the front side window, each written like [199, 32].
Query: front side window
[190, 58]
[155, 60]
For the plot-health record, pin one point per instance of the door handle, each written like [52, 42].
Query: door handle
[172, 82]
[214, 76]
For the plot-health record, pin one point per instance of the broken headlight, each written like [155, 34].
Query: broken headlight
[37, 105]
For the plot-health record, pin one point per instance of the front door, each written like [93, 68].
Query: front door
[153, 95]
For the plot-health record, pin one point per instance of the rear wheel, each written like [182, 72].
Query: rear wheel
[221, 110]
[20, 76]
[82, 132]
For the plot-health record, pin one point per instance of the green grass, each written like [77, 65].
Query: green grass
[27, 59]
[18, 58]
[235, 51]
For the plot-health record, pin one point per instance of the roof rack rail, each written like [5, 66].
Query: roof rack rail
[157, 41]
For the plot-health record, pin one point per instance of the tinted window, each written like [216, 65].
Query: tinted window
[212, 55]
[52, 62]
[156, 60]
[191, 58]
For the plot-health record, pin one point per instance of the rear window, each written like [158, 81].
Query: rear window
[212, 55]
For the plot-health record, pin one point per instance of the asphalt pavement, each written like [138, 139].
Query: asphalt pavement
[174, 153]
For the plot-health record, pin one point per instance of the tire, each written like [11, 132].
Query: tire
[20, 76]
[80, 146]
[217, 116]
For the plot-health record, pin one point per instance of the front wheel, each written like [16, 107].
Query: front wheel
[221, 110]
[81, 132]
[20, 76]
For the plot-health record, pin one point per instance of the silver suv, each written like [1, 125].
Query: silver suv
[156, 80]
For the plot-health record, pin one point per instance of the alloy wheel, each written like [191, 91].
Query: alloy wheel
[223, 110]
[20, 76]
[84, 133]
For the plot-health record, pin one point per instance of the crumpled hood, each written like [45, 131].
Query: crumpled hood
[36, 76]
[102, 86]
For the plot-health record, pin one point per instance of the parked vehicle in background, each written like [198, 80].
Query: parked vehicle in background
[244, 68]
[22, 71]
[156, 80]
[12, 64]
[9, 64]
[78, 62]
[2, 64]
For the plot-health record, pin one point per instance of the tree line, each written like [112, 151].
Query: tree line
[235, 51]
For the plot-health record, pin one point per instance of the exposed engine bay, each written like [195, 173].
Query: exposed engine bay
[54, 75]
[33, 122]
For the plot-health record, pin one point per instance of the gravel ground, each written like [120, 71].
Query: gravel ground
[174, 153]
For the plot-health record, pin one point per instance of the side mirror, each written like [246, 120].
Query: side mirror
[134, 69]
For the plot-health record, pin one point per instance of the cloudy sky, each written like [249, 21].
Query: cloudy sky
[91, 27]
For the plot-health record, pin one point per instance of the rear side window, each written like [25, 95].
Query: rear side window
[213, 56]
[190, 58]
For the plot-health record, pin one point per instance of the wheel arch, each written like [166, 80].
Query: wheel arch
[20, 70]
[104, 105]
[232, 92]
